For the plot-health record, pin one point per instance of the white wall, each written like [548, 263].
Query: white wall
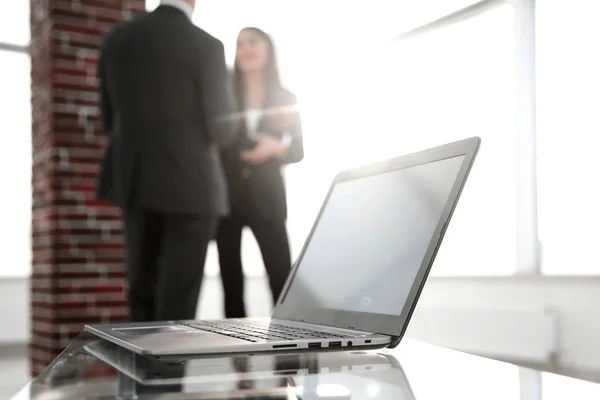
[547, 320]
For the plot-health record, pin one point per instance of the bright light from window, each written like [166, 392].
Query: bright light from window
[451, 84]
[14, 22]
[568, 138]
[15, 164]
[443, 86]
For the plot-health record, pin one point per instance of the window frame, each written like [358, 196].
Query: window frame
[13, 48]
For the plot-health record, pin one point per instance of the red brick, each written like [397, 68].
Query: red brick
[74, 82]
[68, 23]
[75, 26]
[77, 255]
[75, 40]
[94, 11]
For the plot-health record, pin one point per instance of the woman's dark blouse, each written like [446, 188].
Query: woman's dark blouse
[258, 191]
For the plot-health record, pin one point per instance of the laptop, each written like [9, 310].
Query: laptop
[359, 274]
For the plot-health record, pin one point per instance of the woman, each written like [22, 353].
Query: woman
[253, 169]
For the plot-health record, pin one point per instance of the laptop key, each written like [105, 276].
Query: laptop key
[254, 332]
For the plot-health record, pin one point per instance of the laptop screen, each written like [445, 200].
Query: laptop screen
[371, 238]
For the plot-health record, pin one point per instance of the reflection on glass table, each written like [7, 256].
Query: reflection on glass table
[94, 369]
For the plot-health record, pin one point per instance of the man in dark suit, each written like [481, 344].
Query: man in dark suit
[165, 103]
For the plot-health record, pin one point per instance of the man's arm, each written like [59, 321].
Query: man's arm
[218, 104]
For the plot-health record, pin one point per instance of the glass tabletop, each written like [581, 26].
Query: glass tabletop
[95, 369]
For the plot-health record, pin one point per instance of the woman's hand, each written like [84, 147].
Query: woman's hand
[266, 148]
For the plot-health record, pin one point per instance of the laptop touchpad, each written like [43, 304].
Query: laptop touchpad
[151, 330]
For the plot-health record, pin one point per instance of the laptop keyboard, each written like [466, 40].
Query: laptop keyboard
[253, 331]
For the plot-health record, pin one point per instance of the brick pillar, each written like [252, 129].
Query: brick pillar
[77, 274]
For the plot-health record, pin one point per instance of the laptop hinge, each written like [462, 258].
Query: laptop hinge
[394, 342]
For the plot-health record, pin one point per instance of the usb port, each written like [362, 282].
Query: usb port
[335, 344]
[314, 345]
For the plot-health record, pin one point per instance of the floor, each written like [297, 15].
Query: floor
[14, 366]
[14, 373]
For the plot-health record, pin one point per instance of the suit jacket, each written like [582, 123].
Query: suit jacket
[258, 191]
[104, 187]
[166, 104]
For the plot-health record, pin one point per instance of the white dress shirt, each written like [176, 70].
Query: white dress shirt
[179, 4]
[252, 120]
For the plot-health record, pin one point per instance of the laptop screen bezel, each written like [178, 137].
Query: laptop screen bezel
[393, 325]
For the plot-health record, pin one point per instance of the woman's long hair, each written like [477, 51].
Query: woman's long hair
[271, 80]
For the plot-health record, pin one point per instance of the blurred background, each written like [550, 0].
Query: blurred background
[518, 275]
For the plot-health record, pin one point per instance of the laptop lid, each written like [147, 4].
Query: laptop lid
[370, 250]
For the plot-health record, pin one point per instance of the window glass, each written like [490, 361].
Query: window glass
[15, 164]
[14, 22]
[446, 85]
[568, 100]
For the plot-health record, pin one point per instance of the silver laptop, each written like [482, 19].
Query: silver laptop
[358, 277]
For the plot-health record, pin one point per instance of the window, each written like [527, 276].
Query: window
[14, 22]
[15, 165]
[453, 83]
[442, 86]
[568, 136]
